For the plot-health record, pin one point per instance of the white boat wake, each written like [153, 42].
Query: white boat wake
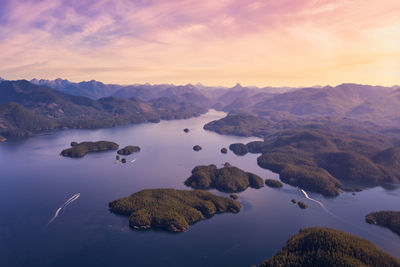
[319, 203]
[63, 206]
[339, 218]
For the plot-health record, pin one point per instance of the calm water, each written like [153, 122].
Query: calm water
[35, 181]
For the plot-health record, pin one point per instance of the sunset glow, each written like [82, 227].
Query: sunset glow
[287, 42]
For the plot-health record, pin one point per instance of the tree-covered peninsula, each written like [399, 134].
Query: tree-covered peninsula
[388, 219]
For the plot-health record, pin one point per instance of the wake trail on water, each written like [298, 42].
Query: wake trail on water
[318, 202]
[63, 206]
[337, 217]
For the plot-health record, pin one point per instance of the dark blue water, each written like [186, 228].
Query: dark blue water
[35, 181]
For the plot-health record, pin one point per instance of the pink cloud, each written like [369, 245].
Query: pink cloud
[223, 36]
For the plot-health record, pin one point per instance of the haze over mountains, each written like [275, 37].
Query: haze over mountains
[363, 102]
[94, 104]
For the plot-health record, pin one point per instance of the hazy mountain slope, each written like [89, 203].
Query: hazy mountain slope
[321, 101]
[17, 121]
[142, 91]
[385, 109]
[177, 107]
[47, 101]
[92, 89]
[66, 110]
[231, 95]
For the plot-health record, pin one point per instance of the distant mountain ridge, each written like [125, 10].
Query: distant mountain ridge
[51, 109]
[60, 99]
[92, 89]
[377, 104]
[27, 108]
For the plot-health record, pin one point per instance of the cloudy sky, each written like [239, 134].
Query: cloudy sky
[270, 42]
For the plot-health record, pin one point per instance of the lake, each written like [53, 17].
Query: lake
[35, 181]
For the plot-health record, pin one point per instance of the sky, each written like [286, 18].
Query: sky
[261, 43]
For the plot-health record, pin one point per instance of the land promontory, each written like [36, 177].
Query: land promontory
[273, 183]
[170, 209]
[388, 219]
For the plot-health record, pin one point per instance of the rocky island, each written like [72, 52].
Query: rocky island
[388, 219]
[328, 247]
[197, 148]
[170, 209]
[228, 179]
[224, 150]
[81, 149]
[302, 205]
[128, 150]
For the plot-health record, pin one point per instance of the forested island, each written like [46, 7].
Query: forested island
[79, 150]
[128, 150]
[170, 209]
[321, 247]
[227, 179]
[388, 219]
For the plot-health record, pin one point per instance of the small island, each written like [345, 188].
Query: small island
[293, 201]
[224, 150]
[81, 149]
[197, 148]
[239, 149]
[2, 139]
[317, 246]
[302, 205]
[186, 130]
[273, 183]
[128, 150]
[170, 209]
[228, 179]
[388, 219]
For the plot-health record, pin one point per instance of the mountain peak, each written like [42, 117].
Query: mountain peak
[238, 86]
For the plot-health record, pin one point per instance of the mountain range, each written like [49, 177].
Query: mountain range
[94, 104]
